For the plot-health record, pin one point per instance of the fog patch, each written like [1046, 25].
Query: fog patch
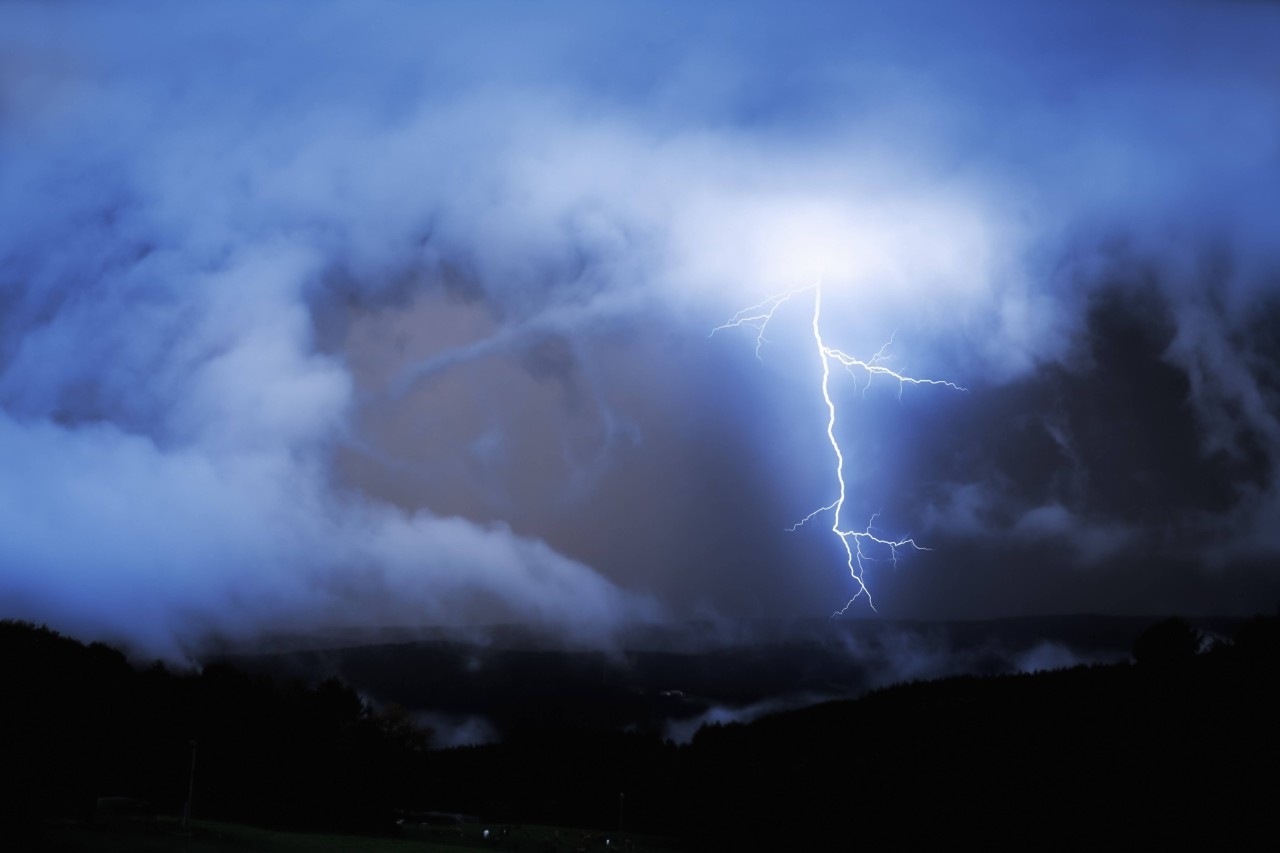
[454, 730]
[1046, 656]
[682, 731]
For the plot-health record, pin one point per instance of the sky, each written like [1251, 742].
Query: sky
[352, 314]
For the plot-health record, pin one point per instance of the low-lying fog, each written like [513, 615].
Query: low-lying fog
[479, 686]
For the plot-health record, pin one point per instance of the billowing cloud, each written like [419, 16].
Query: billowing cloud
[287, 293]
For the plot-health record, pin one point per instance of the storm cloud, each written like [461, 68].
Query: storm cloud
[397, 313]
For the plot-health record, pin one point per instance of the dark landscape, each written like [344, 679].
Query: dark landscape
[589, 425]
[1175, 743]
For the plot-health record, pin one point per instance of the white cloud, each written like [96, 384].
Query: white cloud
[178, 190]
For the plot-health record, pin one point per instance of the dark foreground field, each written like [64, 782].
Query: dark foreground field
[166, 835]
[1179, 748]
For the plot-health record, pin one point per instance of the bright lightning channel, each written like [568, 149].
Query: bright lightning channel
[855, 541]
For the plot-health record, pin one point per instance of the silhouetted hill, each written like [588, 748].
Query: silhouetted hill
[1098, 755]
[79, 723]
[670, 679]
[1180, 748]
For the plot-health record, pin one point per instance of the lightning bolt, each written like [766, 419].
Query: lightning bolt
[856, 542]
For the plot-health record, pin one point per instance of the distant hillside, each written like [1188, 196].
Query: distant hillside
[477, 686]
[1179, 748]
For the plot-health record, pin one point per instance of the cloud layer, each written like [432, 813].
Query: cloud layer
[284, 293]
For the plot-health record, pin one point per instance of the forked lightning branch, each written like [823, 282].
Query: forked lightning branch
[859, 544]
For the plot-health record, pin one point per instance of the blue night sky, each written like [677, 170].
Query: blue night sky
[323, 314]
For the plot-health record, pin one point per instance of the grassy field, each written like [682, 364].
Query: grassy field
[209, 837]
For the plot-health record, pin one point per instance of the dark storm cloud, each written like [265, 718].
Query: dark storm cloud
[282, 290]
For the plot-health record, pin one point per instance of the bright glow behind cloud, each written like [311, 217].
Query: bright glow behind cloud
[197, 207]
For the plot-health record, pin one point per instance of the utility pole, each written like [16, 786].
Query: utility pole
[191, 789]
[621, 797]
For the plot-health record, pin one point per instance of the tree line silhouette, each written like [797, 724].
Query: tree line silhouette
[1182, 744]
[81, 723]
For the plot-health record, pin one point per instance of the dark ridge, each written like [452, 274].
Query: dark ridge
[1179, 748]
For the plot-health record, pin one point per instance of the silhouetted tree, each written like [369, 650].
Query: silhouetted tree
[1167, 645]
[1257, 641]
